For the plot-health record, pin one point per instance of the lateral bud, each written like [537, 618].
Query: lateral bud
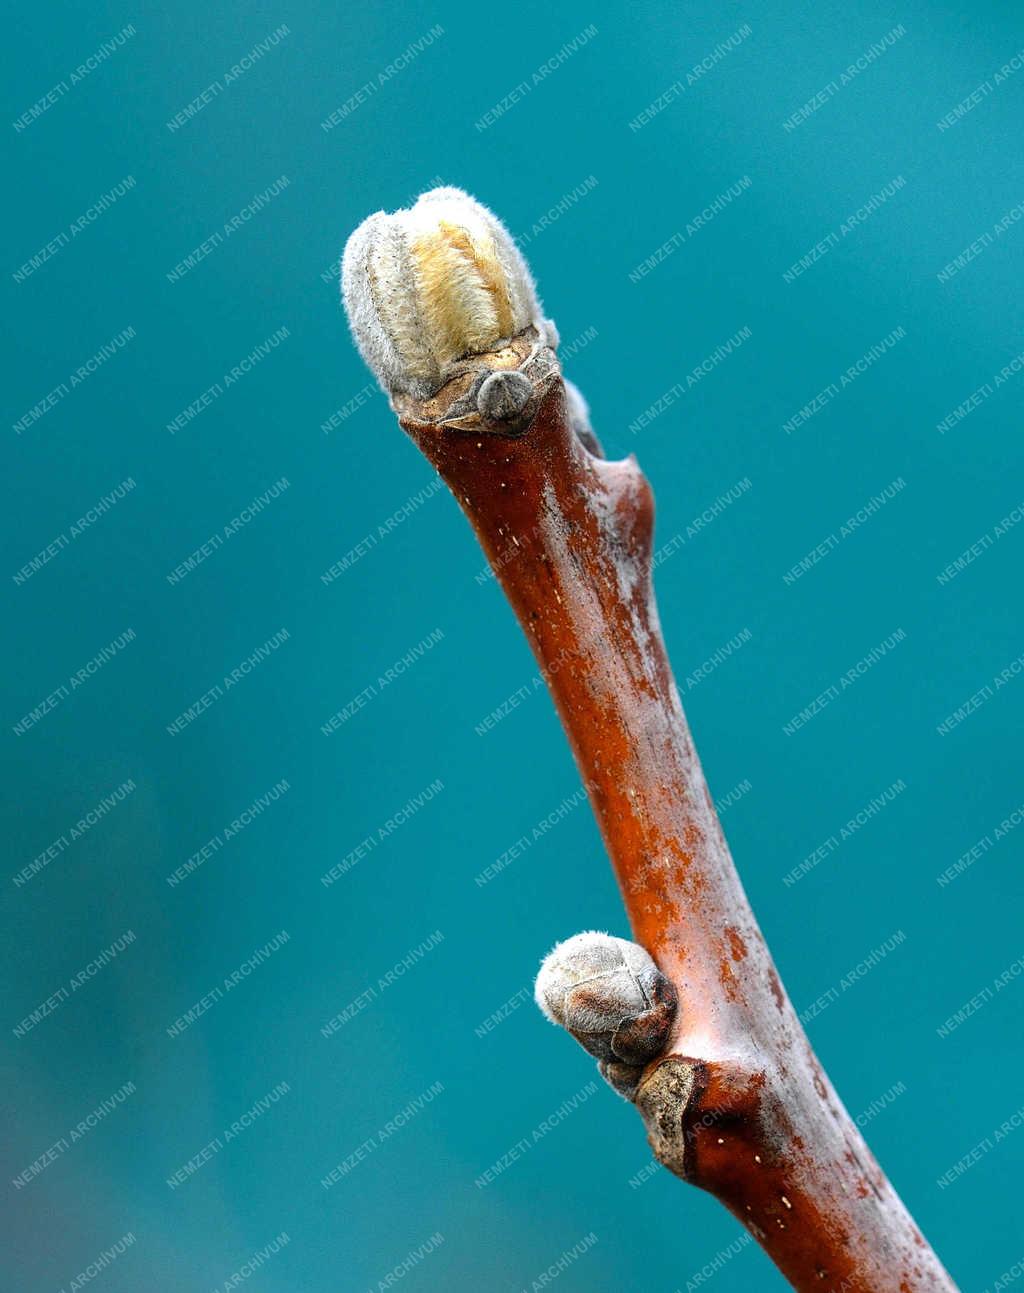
[610, 995]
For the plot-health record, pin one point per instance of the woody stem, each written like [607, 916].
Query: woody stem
[738, 1103]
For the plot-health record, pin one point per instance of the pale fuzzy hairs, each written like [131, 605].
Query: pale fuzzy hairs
[432, 283]
[587, 956]
[389, 270]
[362, 301]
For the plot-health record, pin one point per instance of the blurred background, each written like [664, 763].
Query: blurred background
[291, 819]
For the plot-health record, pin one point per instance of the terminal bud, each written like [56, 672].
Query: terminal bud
[427, 286]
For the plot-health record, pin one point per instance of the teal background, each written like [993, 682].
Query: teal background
[420, 576]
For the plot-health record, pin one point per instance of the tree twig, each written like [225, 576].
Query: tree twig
[735, 1100]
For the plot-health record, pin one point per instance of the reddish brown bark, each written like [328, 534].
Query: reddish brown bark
[738, 1104]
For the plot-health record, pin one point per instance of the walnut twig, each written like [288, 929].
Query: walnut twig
[702, 1038]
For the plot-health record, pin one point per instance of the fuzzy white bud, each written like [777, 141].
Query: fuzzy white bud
[610, 995]
[431, 284]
